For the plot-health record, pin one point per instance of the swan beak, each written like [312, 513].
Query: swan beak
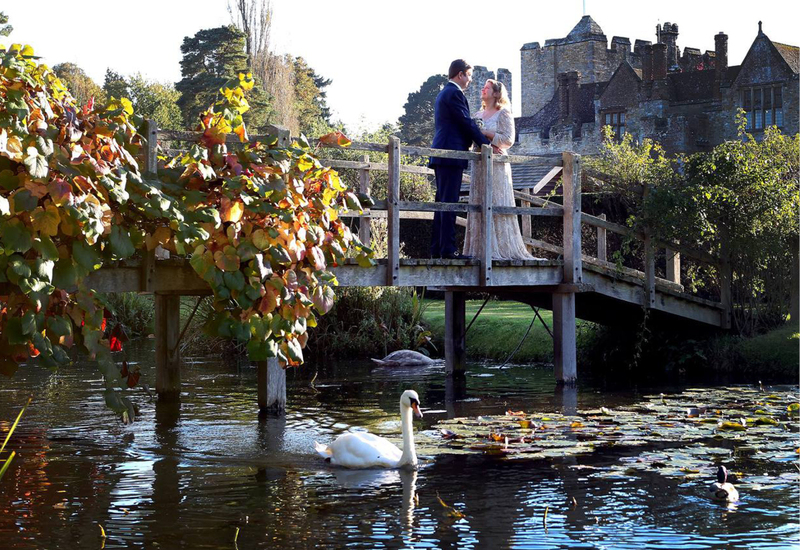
[415, 408]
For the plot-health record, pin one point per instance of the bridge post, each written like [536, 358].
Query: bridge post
[564, 341]
[364, 223]
[393, 213]
[271, 386]
[487, 225]
[167, 331]
[602, 247]
[673, 266]
[455, 350]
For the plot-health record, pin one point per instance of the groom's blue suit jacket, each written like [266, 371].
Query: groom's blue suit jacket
[455, 129]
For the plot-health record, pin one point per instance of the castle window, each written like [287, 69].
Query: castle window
[617, 122]
[763, 107]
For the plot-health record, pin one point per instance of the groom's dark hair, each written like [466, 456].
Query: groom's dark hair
[458, 66]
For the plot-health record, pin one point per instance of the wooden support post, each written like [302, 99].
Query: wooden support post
[393, 213]
[150, 156]
[564, 351]
[487, 225]
[364, 224]
[602, 247]
[271, 386]
[527, 221]
[673, 266]
[454, 337]
[167, 330]
[571, 180]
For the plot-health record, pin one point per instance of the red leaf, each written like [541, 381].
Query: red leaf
[133, 378]
[119, 333]
[115, 344]
[124, 373]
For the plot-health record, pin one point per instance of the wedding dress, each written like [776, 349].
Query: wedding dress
[507, 241]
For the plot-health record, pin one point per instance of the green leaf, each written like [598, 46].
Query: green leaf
[36, 164]
[234, 280]
[5, 206]
[86, 256]
[59, 325]
[18, 269]
[13, 331]
[280, 255]
[121, 244]
[294, 350]
[9, 180]
[45, 247]
[44, 269]
[16, 236]
[24, 201]
[28, 324]
[65, 274]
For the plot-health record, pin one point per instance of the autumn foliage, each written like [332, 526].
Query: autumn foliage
[260, 222]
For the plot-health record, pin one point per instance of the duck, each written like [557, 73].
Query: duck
[360, 450]
[722, 491]
[404, 358]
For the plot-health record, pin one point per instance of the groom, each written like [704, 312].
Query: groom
[456, 130]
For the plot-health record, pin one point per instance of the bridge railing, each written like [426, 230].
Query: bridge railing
[569, 164]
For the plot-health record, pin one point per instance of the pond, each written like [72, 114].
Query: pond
[209, 473]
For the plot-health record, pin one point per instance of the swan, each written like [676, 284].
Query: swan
[366, 450]
[404, 358]
[723, 491]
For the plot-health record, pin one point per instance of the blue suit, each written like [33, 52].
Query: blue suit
[455, 130]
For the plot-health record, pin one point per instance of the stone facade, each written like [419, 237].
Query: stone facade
[479, 76]
[686, 100]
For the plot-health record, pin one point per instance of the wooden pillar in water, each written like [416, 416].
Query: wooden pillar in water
[564, 350]
[168, 360]
[794, 291]
[271, 386]
[454, 339]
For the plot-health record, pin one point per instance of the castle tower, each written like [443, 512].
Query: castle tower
[584, 50]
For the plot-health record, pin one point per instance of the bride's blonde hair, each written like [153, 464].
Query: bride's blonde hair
[500, 95]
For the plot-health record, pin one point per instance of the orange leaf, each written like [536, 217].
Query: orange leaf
[335, 138]
[230, 211]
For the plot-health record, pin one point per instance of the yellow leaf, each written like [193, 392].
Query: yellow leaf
[231, 211]
[46, 221]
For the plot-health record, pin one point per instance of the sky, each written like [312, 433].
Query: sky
[375, 52]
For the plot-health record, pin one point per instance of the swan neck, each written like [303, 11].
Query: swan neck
[409, 455]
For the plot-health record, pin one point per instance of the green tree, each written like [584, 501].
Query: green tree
[210, 58]
[156, 101]
[417, 119]
[310, 98]
[738, 201]
[115, 85]
[82, 87]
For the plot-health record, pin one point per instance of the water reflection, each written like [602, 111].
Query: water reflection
[189, 474]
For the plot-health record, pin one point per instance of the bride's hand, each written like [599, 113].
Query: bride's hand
[497, 150]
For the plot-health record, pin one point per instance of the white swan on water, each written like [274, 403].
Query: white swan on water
[366, 450]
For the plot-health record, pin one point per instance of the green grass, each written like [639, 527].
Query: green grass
[498, 330]
[776, 352]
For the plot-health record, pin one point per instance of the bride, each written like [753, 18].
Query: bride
[498, 126]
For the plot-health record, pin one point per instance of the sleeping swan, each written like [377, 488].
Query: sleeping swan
[365, 450]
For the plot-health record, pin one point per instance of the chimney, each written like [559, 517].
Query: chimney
[720, 62]
[573, 81]
[659, 61]
[647, 63]
[669, 36]
[563, 98]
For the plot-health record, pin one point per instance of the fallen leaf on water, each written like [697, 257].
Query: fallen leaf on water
[449, 510]
[515, 413]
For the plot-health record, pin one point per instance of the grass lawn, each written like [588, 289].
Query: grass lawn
[498, 330]
[776, 352]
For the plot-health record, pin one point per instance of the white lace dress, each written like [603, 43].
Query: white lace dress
[507, 241]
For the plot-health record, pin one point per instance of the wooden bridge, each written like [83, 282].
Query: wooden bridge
[576, 284]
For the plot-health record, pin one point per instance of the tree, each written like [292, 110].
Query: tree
[312, 111]
[115, 85]
[82, 87]
[417, 120]
[210, 58]
[254, 19]
[156, 101]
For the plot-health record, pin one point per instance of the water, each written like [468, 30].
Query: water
[189, 476]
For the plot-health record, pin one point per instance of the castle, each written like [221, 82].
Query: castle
[687, 100]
